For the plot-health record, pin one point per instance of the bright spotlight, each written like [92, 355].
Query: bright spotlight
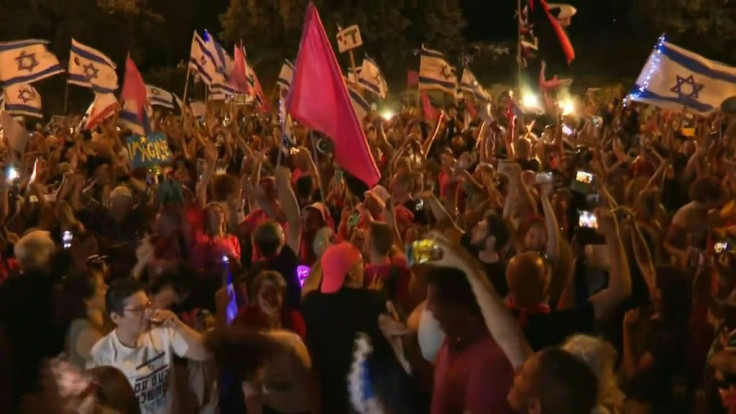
[387, 115]
[530, 101]
[567, 106]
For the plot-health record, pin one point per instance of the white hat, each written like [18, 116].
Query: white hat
[380, 194]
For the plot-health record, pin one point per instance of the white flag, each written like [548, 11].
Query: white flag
[469, 84]
[674, 78]
[15, 134]
[91, 69]
[204, 62]
[23, 99]
[26, 61]
[159, 97]
[101, 108]
[372, 79]
[436, 73]
[362, 108]
[286, 75]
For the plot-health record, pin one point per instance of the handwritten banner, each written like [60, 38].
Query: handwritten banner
[148, 151]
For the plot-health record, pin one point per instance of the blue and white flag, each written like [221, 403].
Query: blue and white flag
[436, 73]
[91, 69]
[159, 97]
[286, 75]
[22, 99]
[353, 75]
[224, 65]
[203, 62]
[26, 61]
[372, 79]
[674, 78]
[361, 106]
[469, 84]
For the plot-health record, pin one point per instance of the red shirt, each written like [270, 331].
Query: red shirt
[474, 380]
[383, 273]
[208, 250]
[252, 317]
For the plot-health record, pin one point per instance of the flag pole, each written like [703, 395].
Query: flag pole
[518, 44]
[316, 162]
[66, 99]
[186, 84]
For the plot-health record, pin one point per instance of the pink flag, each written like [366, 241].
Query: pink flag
[239, 75]
[319, 99]
[430, 114]
[412, 78]
[135, 99]
[258, 91]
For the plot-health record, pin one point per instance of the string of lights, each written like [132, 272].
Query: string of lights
[654, 60]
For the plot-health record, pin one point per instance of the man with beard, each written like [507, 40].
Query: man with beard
[487, 241]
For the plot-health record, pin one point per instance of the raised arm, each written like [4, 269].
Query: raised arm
[290, 207]
[619, 282]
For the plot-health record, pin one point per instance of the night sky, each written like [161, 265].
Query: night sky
[488, 20]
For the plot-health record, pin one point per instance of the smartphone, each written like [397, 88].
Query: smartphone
[583, 182]
[420, 206]
[422, 251]
[588, 220]
[567, 130]
[544, 178]
[227, 280]
[302, 272]
[11, 174]
[66, 239]
[721, 247]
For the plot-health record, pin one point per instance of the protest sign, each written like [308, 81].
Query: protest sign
[147, 151]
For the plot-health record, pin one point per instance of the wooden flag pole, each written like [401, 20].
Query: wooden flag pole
[186, 84]
[66, 99]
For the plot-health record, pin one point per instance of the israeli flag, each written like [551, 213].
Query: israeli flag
[286, 75]
[436, 73]
[469, 84]
[90, 68]
[361, 106]
[26, 61]
[224, 65]
[372, 79]
[203, 62]
[674, 78]
[159, 97]
[22, 99]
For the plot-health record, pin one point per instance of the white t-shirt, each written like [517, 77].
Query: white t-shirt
[148, 367]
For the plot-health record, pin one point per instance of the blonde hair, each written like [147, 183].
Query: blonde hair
[34, 250]
[600, 357]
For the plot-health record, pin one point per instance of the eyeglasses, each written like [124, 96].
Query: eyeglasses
[143, 308]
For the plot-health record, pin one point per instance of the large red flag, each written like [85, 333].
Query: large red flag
[319, 99]
[430, 113]
[134, 91]
[239, 74]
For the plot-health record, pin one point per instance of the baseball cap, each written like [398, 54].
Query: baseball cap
[336, 262]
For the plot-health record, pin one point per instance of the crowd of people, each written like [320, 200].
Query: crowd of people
[557, 265]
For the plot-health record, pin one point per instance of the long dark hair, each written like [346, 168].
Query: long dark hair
[71, 295]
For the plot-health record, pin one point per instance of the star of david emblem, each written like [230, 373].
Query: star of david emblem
[685, 93]
[203, 60]
[27, 61]
[447, 72]
[155, 92]
[90, 71]
[143, 140]
[77, 62]
[25, 95]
